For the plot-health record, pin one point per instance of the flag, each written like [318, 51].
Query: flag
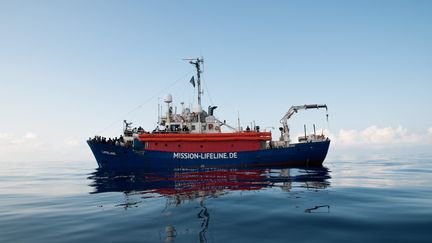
[192, 81]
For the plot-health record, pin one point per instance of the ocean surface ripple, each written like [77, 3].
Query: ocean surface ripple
[377, 200]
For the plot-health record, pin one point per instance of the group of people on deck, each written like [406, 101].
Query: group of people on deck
[104, 140]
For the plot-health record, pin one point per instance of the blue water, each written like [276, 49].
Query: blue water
[386, 199]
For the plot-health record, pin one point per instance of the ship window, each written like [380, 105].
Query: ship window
[193, 127]
[175, 127]
[179, 145]
[201, 146]
[156, 144]
[166, 145]
[232, 145]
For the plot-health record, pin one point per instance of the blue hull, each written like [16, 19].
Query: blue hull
[110, 156]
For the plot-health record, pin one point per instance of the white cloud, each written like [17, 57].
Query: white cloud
[5, 135]
[15, 146]
[347, 137]
[429, 130]
[30, 147]
[71, 142]
[30, 135]
[5, 138]
[11, 142]
[382, 136]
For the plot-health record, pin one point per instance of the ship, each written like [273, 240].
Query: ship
[195, 138]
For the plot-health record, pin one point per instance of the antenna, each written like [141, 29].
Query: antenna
[182, 104]
[238, 120]
[159, 111]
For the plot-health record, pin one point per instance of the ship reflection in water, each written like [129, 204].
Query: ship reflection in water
[179, 186]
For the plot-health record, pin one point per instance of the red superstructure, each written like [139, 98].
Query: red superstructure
[205, 142]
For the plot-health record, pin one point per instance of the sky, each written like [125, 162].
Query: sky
[72, 69]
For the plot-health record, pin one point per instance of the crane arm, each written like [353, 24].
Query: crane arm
[225, 124]
[294, 109]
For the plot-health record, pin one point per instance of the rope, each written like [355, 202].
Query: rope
[145, 102]
[208, 92]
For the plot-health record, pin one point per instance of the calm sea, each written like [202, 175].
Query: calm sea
[386, 199]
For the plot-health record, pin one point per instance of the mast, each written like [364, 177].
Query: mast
[197, 63]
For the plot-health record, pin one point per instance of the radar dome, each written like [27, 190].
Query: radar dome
[168, 98]
[198, 109]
